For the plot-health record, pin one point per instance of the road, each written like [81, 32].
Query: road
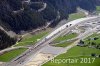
[80, 37]
[23, 59]
[44, 5]
[29, 2]
[43, 8]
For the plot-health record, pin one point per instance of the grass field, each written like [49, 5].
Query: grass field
[8, 56]
[32, 40]
[77, 53]
[65, 44]
[97, 41]
[62, 38]
[98, 9]
[26, 41]
[76, 16]
[66, 37]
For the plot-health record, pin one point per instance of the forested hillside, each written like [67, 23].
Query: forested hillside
[19, 15]
[5, 40]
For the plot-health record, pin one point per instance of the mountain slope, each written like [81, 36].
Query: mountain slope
[22, 15]
[19, 15]
[5, 40]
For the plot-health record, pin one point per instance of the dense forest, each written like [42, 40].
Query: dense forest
[19, 15]
[5, 40]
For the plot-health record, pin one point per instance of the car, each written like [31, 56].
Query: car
[70, 24]
[66, 25]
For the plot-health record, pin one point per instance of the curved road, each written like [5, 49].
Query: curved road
[29, 1]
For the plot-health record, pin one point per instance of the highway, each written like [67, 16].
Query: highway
[23, 59]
